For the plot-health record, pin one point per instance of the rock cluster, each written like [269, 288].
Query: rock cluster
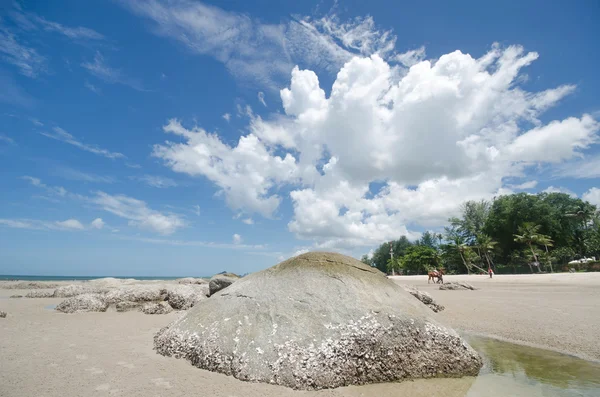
[39, 294]
[319, 320]
[156, 308]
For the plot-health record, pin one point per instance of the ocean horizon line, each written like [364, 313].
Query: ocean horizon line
[26, 277]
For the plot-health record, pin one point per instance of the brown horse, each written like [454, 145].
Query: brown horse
[433, 274]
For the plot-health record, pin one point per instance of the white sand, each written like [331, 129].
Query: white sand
[44, 353]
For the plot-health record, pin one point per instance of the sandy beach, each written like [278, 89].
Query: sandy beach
[46, 353]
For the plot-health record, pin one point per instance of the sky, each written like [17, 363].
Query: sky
[184, 138]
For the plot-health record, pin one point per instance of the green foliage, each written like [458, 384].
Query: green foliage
[419, 259]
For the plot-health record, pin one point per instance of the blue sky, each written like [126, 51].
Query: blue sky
[186, 138]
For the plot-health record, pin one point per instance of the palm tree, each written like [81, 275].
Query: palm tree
[546, 242]
[528, 234]
[582, 212]
[486, 245]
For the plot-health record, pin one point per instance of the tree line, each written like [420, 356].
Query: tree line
[517, 233]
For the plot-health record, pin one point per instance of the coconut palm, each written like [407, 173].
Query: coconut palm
[583, 212]
[529, 234]
[486, 245]
[546, 242]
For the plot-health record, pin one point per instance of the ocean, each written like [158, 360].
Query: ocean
[80, 278]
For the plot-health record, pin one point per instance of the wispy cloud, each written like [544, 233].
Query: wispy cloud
[237, 239]
[11, 92]
[76, 33]
[194, 243]
[156, 181]
[63, 136]
[260, 53]
[582, 169]
[227, 117]
[261, 98]
[102, 70]
[4, 138]
[77, 175]
[35, 224]
[91, 87]
[54, 190]
[26, 59]
[138, 213]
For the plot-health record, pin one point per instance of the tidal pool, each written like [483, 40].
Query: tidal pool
[515, 370]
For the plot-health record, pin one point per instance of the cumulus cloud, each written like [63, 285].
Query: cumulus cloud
[97, 223]
[383, 152]
[237, 239]
[72, 224]
[592, 196]
[559, 189]
[138, 213]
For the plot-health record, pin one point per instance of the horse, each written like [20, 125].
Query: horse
[439, 274]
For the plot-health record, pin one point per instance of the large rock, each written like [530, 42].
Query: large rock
[457, 286]
[156, 308]
[83, 303]
[319, 320]
[423, 297]
[70, 290]
[137, 293]
[182, 297]
[39, 294]
[127, 306]
[221, 281]
[191, 280]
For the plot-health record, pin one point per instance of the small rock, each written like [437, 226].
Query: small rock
[156, 308]
[39, 294]
[191, 280]
[83, 303]
[423, 297]
[2, 314]
[16, 296]
[127, 306]
[453, 286]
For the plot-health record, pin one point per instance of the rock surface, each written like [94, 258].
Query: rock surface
[83, 303]
[319, 320]
[182, 297]
[127, 306]
[457, 286]
[221, 281]
[70, 290]
[137, 293]
[191, 280]
[156, 308]
[423, 297]
[40, 294]
[28, 285]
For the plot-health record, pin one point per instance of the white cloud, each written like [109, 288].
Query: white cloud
[264, 53]
[524, 185]
[386, 152]
[63, 136]
[261, 98]
[29, 62]
[77, 175]
[195, 243]
[138, 213]
[77, 33]
[72, 224]
[197, 210]
[156, 181]
[237, 239]
[227, 117]
[7, 139]
[54, 190]
[97, 223]
[587, 167]
[34, 224]
[592, 196]
[102, 70]
[36, 122]
[92, 87]
[245, 174]
[248, 221]
[555, 189]
[412, 57]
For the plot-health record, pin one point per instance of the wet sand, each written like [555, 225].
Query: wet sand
[560, 312]
[46, 353]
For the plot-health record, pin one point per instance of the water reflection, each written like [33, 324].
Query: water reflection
[511, 369]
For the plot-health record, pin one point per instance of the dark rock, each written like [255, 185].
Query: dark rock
[423, 297]
[3, 314]
[457, 286]
[221, 281]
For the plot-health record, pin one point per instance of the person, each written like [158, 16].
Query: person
[491, 272]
